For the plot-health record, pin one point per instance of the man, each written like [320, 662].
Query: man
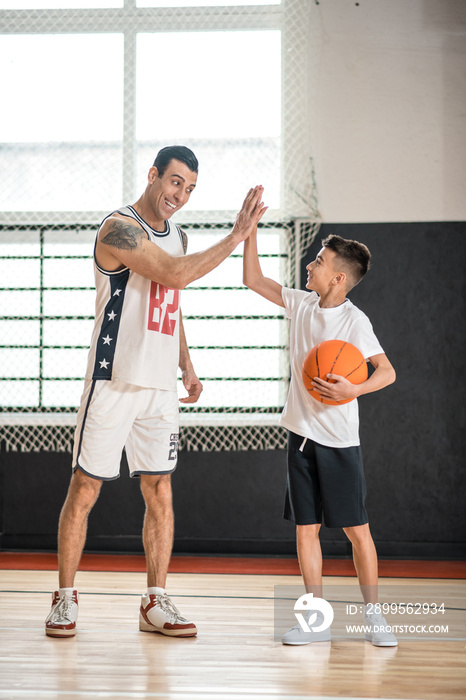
[130, 398]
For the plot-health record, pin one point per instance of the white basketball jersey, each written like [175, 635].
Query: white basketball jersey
[136, 330]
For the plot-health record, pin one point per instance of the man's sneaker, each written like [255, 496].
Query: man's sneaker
[61, 621]
[158, 614]
[379, 631]
[296, 635]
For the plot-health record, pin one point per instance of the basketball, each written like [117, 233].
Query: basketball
[333, 357]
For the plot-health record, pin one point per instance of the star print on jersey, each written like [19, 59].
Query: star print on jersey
[108, 336]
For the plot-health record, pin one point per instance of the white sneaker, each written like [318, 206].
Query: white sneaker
[296, 635]
[61, 620]
[380, 633]
[159, 614]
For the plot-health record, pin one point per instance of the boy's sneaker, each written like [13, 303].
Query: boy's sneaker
[296, 635]
[158, 614]
[61, 621]
[380, 632]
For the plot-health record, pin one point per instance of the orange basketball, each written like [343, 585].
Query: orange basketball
[333, 357]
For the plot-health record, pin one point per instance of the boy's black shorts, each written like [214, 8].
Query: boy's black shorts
[324, 480]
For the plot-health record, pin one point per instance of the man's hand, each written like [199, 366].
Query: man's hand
[193, 386]
[339, 389]
[250, 214]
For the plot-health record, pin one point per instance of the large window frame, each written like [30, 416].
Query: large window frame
[290, 18]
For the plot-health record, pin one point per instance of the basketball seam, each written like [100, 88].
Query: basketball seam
[318, 372]
[307, 374]
[355, 369]
[336, 359]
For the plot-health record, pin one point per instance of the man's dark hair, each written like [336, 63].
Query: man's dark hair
[354, 256]
[169, 153]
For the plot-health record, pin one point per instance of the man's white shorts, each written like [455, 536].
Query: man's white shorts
[114, 415]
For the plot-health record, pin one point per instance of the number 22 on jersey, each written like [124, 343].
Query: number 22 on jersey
[163, 303]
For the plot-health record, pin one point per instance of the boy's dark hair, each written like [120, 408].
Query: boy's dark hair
[169, 153]
[354, 256]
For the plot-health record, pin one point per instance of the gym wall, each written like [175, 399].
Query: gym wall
[388, 129]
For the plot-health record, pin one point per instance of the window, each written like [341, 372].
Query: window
[108, 83]
[59, 143]
[206, 93]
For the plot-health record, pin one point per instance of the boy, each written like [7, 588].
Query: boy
[325, 470]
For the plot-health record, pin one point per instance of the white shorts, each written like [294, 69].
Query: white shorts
[115, 415]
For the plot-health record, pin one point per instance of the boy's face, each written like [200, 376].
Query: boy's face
[321, 271]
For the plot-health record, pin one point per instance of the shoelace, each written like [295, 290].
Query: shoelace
[166, 604]
[63, 609]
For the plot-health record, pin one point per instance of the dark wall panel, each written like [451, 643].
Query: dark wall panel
[413, 432]
[222, 503]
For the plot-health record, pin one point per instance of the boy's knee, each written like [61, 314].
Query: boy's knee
[359, 534]
[308, 531]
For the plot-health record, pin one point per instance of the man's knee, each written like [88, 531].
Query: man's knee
[83, 491]
[157, 488]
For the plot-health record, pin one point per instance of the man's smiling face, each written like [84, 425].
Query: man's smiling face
[171, 191]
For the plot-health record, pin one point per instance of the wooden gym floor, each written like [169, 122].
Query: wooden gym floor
[236, 655]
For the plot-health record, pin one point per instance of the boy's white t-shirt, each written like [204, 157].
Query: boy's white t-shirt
[333, 426]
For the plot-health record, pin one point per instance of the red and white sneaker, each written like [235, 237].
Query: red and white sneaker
[159, 614]
[61, 621]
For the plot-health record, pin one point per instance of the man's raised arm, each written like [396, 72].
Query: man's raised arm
[128, 246]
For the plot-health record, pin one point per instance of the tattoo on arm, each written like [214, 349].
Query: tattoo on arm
[123, 236]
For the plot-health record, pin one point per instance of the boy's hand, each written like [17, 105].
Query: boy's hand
[337, 390]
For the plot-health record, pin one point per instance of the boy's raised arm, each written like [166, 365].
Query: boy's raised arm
[252, 273]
